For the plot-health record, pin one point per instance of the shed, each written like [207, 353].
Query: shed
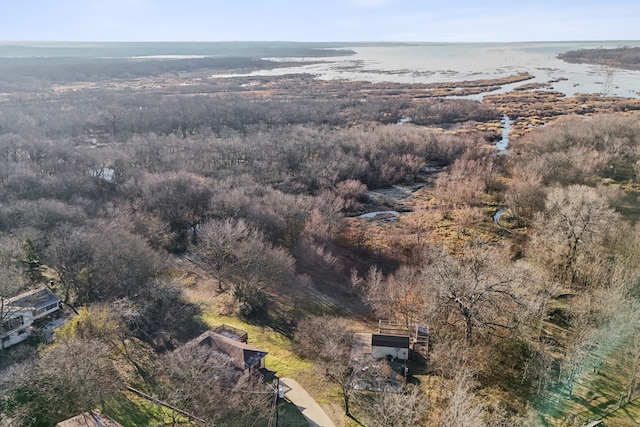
[388, 345]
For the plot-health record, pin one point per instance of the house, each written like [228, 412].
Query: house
[418, 334]
[93, 418]
[19, 313]
[388, 345]
[243, 357]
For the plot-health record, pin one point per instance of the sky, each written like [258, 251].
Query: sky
[322, 21]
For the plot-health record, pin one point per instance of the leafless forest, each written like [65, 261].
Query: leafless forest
[148, 197]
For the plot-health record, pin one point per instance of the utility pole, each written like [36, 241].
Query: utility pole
[276, 398]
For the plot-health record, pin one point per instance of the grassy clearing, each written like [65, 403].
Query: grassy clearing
[133, 411]
[290, 416]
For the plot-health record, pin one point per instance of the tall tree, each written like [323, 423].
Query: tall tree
[205, 384]
[241, 255]
[392, 409]
[475, 289]
[70, 378]
[182, 200]
[577, 220]
[399, 297]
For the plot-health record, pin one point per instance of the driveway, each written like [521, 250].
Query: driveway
[314, 414]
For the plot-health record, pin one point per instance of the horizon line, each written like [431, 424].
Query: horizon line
[2, 41]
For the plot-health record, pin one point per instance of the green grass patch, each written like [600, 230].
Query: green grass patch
[290, 416]
[133, 411]
[627, 415]
[598, 391]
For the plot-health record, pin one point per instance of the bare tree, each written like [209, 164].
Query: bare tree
[576, 221]
[390, 409]
[465, 182]
[242, 256]
[218, 243]
[462, 408]
[455, 403]
[11, 281]
[474, 289]
[524, 196]
[205, 384]
[400, 296]
[182, 200]
[70, 378]
[69, 254]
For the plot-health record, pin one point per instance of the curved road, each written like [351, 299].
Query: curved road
[316, 417]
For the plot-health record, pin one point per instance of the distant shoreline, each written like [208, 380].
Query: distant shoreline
[622, 57]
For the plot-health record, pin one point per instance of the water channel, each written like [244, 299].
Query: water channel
[502, 145]
[394, 196]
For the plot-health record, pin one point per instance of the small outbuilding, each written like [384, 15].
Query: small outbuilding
[387, 345]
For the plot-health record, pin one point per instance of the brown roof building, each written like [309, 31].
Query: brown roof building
[242, 356]
[93, 418]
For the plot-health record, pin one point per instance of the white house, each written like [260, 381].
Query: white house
[19, 313]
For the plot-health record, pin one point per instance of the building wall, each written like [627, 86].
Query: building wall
[15, 337]
[395, 352]
[45, 311]
[22, 332]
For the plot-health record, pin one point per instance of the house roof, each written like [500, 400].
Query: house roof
[34, 299]
[93, 418]
[243, 356]
[388, 340]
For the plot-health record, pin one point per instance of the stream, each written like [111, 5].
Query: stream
[502, 145]
[505, 127]
[394, 197]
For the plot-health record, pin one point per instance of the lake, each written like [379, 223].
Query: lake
[377, 62]
[449, 62]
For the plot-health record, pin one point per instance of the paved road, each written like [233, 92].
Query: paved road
[314, 414]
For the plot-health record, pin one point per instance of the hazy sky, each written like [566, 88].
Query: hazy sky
[326, 20]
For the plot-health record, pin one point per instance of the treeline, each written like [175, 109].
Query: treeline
[622, 57]
[119, 115]
[158, 168]
[28, 74]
